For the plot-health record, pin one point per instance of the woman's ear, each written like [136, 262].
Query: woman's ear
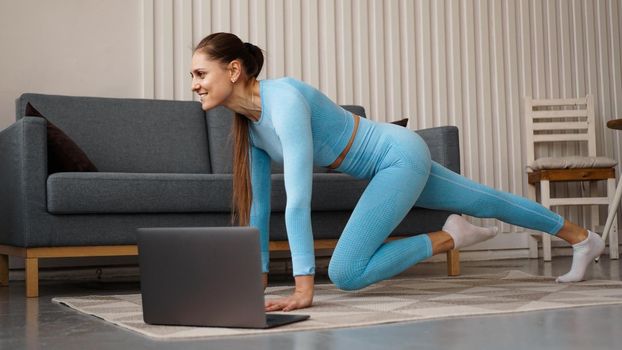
[235, 69]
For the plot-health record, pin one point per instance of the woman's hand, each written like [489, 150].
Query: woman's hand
[302, 297]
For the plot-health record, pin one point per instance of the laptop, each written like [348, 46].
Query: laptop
[204, 276]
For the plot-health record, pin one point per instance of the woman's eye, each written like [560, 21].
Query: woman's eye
[199, 75]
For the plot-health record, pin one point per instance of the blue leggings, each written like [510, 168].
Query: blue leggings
[402, 175]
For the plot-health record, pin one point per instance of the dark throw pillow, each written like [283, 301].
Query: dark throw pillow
[64, 155]
[401, 122]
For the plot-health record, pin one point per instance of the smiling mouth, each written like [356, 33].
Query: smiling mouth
[202, 95]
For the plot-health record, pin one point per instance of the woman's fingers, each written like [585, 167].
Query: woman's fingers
[285, 304]
[291, 306]
[275, 305]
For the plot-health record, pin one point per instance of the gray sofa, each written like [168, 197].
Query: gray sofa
[161, 163]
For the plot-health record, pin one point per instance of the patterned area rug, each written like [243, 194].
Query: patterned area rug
[395, 300]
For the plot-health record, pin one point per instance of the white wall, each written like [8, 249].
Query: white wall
[459, 62]
[69, 47]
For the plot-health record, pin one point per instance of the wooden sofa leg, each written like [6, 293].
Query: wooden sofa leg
[32, 277]
[453, 262]
[4, 270]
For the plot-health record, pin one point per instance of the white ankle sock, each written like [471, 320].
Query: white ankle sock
[582, 254]
[464, 233]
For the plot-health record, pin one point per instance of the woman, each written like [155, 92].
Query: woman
[293, 123]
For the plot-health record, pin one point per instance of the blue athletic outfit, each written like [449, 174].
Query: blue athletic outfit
[300, 127]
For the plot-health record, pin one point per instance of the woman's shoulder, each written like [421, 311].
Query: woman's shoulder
[284, 93]
[283, 80]
[285, 86]
[286, 83]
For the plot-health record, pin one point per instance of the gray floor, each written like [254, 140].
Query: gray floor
[37, 323]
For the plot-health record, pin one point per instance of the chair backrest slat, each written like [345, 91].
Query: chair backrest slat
[556, 138]
[559, 101]
[561, 126]
[544, 124]
[562, 113]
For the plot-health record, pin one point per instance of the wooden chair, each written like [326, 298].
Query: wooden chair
[562, 121]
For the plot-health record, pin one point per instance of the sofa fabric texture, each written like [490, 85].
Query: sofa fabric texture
[161, 163]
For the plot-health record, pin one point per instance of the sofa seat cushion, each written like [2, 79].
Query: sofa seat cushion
[87, 193]
[108, 193]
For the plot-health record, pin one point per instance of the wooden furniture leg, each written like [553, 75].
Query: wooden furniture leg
[453, 262]
[4, 270]
[32, 277]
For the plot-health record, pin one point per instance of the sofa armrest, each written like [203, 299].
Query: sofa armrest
[23, 172]
[444, 145]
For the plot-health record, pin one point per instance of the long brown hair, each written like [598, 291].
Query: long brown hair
[226, 47]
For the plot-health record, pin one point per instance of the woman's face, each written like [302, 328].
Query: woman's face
[211, 80]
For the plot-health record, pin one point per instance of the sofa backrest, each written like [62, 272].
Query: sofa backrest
[444, 145]
[219, 122]
[130, 135]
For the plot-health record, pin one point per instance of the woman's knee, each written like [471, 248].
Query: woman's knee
[344, 277]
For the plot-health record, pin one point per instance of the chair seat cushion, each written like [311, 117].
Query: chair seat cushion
[107, 193]
[574, 162]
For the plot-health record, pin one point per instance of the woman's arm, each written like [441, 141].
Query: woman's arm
[291, 117]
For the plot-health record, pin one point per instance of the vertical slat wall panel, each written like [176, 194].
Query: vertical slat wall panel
[377, 68]
[182, 27]
[163, 47]
[221, 15]
[239, 18]
[439, 57]
[460, 62]
[276, 37]
[328, 48]
[423, 61]
[258, 32]
[293, 39]
[393, 65]
[310, 43]
[344, 39]
[148, 33]
[360, 48]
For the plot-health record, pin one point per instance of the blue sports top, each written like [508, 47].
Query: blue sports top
[298, 127]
